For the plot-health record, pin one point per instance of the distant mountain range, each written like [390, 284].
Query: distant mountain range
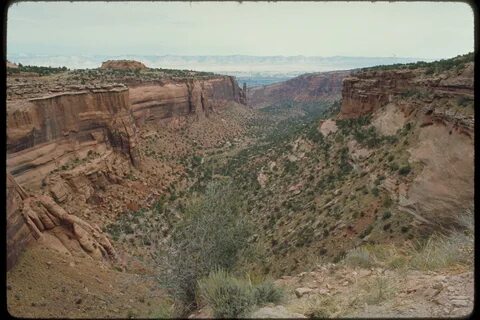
[252, 69]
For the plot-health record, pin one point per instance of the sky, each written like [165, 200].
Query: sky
[429, 30]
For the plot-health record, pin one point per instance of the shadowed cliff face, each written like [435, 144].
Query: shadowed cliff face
[305, 88]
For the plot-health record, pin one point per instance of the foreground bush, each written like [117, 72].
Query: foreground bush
[231, 297]
[266, 292]
[213, 234]
[228, 296]
[437, 252]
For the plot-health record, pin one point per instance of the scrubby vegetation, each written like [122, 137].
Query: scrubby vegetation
[232, 297]
[41, 71]
[213, 233]
[430, 67]
[436, 252]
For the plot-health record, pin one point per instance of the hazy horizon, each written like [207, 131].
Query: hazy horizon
[424, 30]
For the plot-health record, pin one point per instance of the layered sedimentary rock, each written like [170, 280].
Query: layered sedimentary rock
[366, 91]
[305, 88]
[158, 100]
[18, 233]
[31, 216]
[45, 133]
[443, 124]
[64, 146]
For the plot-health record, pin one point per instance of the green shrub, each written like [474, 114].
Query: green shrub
[367, 231]
[386, 215]
[266, 292]
[164, 311]
[213, 234]
[404, 170]
[228, 296]
[379, 290]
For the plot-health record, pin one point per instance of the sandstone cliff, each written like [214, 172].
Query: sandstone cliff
[77, 139]
[32, 216]
[439, 108]
[46, 133]
[366, 91]
[158, 100]
[305, 88]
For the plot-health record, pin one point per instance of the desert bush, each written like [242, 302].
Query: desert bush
[360, 257]
[228, 296]
[436, 252]
[404, 170]
[367, 231]
[266, 292]
[213, 234]
[319, 307]
[164, 311]
[378, 290]
[442, 252]
[386, 215]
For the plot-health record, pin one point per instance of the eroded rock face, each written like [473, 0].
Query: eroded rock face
[123, 65]
[444, 189]
[365, 92]
[82, 139]
[305, 88]
[31, 216]
[444, 134]
[159, 100]
[18, 233]
[45, 133]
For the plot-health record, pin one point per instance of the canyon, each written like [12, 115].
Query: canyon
[101, 164]
[99, 124]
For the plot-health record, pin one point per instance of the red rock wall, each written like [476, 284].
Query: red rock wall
[365, 92]
[31, 216]
[159, 100]
[45, 133]
[305, 88]
[18, 233]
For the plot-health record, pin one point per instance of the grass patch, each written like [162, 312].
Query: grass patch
[231, 297]
[228, 296]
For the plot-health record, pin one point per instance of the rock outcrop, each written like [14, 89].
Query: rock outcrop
[75, 140]
[151, 101]
[364, 92]
[305, 88]
[434, 107]
[123, 65]
[32, 216]
[44, 134]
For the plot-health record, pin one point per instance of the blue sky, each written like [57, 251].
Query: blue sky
[421, 29]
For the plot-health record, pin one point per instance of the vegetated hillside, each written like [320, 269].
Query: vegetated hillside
[395, 165]
[381, 185]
